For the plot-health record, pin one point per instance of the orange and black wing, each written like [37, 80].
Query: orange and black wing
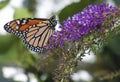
[34, 32]
[19, 26]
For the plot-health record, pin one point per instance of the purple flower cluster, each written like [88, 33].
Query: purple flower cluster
[81, 24]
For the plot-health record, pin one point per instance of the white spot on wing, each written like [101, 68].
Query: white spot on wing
[18, 22]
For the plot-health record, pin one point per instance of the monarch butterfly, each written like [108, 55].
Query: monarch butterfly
[35, 32]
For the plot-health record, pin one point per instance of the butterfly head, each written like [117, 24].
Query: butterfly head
[53, 21]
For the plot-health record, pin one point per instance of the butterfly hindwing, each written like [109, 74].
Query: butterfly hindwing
[37, 36]
[34, 32]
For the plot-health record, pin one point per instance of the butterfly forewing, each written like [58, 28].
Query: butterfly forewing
[35, 33]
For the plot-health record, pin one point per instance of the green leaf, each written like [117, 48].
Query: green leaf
[74, 8]
[114, 43]
[8, 49]
[5, 42]
[10, 57]
[22, 13]
[3, 3]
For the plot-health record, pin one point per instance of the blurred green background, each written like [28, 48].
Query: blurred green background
[16, 61]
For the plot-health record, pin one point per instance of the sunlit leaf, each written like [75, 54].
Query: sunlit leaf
[22, 13]
[3, 3]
